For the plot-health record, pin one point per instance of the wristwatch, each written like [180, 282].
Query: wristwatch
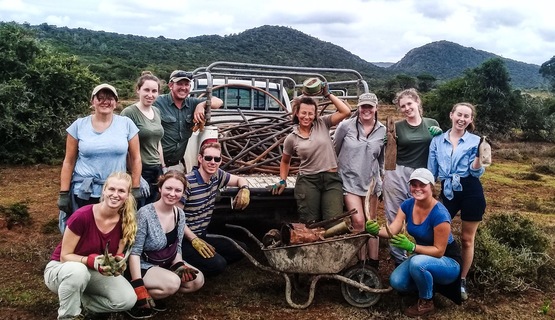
[246, 186]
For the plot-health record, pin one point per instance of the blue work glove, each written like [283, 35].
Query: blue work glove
[372, 227]
[277, 188]
[401, 241]
[435, 131]
[145, 188]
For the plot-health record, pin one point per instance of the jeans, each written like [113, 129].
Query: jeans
[226, 253]
[420, 272]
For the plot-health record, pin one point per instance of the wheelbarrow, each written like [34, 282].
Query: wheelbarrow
[326, 259]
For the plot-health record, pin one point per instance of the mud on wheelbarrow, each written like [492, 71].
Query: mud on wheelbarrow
[327, 259]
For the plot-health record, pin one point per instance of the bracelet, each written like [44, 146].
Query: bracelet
[81, 260]
[282, 181]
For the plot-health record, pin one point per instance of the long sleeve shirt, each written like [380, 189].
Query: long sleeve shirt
[449, 165]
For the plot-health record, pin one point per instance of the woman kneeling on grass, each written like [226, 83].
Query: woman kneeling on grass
[436, 255]
[156, 265]
[77, 271]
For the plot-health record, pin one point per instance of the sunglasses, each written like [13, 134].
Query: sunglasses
[210, 158]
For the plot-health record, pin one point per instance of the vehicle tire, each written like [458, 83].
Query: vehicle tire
[364, 275]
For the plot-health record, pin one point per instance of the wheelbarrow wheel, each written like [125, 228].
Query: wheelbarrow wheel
[366, 276]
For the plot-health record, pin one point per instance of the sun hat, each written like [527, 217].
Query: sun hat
[423, 175]
[104, 86]
[367, 98]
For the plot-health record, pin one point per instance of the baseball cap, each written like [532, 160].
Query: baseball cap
[423, 175]
[367, 98]
[179, 75]
[104, 86]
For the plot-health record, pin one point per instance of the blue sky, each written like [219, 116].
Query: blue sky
[375, 30]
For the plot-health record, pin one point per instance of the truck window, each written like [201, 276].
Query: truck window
[241, 98]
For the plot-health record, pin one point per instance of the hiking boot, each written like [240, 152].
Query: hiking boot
[371, 263]
[140, 313]
[160, 305]
[422, 308]
[464, 295]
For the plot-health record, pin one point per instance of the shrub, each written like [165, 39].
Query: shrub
[547, 167]
[16, 214]
[509, 253]
[509, 154]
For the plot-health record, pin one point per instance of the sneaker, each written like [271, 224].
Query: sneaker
[160, 305]
[464, 295]
[422, 308]
[140, 313]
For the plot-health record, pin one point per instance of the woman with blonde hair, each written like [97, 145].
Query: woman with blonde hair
[414, 133]
[85, 267]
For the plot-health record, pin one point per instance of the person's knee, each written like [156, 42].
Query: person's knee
[194, 285]
[78, 277]
[215, 266]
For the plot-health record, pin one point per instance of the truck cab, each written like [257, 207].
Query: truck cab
[254, 121]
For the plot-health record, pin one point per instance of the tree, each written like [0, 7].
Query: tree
[547, 70]
[41, 93]
[425, 82]
[488, 88]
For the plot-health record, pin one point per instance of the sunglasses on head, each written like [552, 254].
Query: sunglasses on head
[210, 158]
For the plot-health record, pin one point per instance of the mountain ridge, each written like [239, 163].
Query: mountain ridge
[267, 44]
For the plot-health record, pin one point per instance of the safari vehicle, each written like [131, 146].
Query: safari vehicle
[254, 121]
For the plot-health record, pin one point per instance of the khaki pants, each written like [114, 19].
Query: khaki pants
[75, 284]
[319, 196]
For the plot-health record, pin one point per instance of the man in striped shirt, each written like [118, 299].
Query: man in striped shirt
[209, 255]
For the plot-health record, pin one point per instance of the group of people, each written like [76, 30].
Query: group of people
[134, 223]
[127, 207]
[337, 172]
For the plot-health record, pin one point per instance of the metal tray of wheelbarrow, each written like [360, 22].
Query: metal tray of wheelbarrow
[325, 256]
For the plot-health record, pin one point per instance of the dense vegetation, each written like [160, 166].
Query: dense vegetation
[43, 89]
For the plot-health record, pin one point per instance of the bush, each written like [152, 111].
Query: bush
[509, 253]
[547, 167]
[16, 214]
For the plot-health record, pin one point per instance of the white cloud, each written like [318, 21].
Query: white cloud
[375, 30]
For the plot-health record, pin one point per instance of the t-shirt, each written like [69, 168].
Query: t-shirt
[201, 198]
[100, 153]
[424, 233]
[413, 143]
[150, 133]
[315, 152]
[360, 157]
[178, 126]
[91, 240]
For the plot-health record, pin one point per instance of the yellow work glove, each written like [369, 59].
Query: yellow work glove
[203, 248]
[242, 199]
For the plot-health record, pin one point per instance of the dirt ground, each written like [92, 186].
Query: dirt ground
[245, 291]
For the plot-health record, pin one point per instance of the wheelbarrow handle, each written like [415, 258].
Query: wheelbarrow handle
[233, 226]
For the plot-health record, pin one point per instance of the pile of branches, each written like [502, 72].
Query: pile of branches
[254, 144]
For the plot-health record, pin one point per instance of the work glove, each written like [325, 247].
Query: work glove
[325, 89]
[435, 131]
[97, 262]
[203, 248]
[64, 201]
[372, 227]
[184, 272]
[119, 264]
[136, 192]
[242, 199]
[144, 187]
[144, 300]
[401, 241]
[277, 188]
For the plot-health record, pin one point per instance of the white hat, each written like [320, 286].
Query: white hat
[104, 86]
[423, 175]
